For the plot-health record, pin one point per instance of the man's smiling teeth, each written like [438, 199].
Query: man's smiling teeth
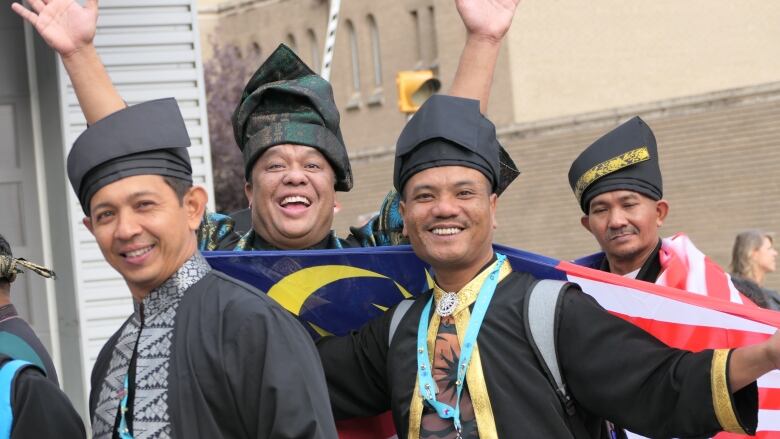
[295, 199]
[139, 252]
[446, 231]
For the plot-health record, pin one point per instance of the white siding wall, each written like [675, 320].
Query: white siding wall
[151, 50]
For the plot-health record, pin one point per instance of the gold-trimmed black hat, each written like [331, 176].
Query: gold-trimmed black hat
[451, 131]
[625, 158]
[146, 139]
[286, 102]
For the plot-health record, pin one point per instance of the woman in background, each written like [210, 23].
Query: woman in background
[752, 257]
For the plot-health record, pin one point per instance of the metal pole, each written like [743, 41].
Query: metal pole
[330, 40]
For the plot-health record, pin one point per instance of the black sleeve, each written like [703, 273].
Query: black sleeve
[275, 373]
[356, 369]
[620, 372]
[41, 410]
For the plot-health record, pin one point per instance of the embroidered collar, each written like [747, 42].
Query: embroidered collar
[173, 289]
[468, 294]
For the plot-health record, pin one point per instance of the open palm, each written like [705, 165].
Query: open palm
[65, 25]
[487, 18]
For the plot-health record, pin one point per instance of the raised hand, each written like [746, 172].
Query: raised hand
[488, 19]
[65, 25]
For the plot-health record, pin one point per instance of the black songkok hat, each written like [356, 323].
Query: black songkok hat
[625, 158]
[450, 131]
[148, 138]
[286, 102]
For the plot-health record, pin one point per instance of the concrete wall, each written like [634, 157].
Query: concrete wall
[571, 57]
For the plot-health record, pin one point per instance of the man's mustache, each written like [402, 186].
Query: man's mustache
[627, 230]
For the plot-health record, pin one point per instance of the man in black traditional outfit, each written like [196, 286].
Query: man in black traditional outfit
[442, 380]
[618, 185]
[287, 119]
[203, 355]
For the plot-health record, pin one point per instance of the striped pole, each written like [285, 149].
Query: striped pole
[330, 40]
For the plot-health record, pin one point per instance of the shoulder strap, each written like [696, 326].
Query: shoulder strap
[398, 314]
[8, 373]
[540, 314]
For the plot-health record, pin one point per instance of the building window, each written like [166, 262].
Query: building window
[254, 51]
[353, 45]
[434, 49]
[315, 50]
[417, 36]
[291, 42]
[375, 50]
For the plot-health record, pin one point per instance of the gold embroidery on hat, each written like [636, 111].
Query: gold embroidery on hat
[607, 167]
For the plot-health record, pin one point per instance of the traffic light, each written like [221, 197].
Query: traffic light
[414, 88]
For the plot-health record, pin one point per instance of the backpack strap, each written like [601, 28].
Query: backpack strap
[541, 312]
[8, 373]
[540, 316]
[395, 320]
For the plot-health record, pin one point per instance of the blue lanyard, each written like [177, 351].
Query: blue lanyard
[124, 432]
[428, 387]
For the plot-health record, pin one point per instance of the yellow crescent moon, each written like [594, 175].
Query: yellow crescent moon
[293, 290]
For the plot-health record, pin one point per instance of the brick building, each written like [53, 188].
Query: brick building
[704, 74]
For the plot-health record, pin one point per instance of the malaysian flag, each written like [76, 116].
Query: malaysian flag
[335, 291]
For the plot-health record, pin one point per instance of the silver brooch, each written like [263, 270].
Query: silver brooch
[447, 304]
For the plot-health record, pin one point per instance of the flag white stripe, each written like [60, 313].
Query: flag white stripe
[637, 303]
[769, 420]
[770, 380]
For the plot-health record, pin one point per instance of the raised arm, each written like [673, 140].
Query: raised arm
[486, 21]
[69, 29]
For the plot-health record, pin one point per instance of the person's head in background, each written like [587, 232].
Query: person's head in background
[753, 255]
[5, 279]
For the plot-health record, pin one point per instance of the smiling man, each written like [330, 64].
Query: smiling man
[203, 355]
[285, 110]
[287, 127]
[457, 363]
[617, 182]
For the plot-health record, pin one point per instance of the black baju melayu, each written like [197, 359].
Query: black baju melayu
[207, 356]
[652, 389]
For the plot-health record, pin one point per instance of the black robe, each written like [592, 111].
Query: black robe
[240, 367]
[40, 409]
[650, 388]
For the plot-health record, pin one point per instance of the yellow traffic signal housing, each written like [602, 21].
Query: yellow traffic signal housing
[414, 88]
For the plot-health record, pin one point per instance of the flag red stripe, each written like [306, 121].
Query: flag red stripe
[759, 435]
[769, 398]
[717, 283]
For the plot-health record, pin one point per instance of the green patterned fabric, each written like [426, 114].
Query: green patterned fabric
[386, 228]
[286, 102]
[215, 232]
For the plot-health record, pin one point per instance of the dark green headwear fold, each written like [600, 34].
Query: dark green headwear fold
[286, 102]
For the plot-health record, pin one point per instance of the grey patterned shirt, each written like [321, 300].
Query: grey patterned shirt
[151, 328]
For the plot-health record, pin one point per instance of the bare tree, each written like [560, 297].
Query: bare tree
[226, 73]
